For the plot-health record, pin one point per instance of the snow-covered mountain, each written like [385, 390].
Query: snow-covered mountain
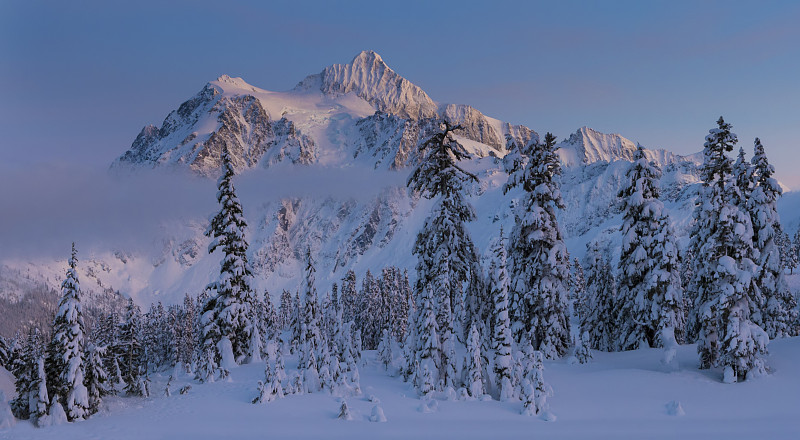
[361, 115]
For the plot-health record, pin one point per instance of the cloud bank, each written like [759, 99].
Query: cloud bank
[47, 207]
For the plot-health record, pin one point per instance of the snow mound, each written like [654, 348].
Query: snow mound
[377, 414]
[674, 408]
[226, 351]
[429, 406]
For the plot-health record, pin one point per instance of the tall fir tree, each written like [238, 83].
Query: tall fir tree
[231, 312]
[539, 258]
[502, 341]
[473, 364]
[445, 251]
[427, 357]
[578, 287]
[311, 314]
[650, 292]
[349, 298]
[187, 338]
[39, 397]
[370, 311]
[786, 249]
[795, 251]
[67, 350]
[96, 376]
[744, 178]
[724, 275]
[24, 367]
[285, 310]
[778, 312]
[131, 349]
[599, 318]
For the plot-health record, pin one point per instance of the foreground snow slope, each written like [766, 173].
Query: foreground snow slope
[618, 395]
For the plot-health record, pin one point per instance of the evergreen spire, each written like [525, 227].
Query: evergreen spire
[725, 291]
[502, 342]
[778, 309]
[444, 247]
[66, 353]
[231, 313]
[446, 253]
[650, 292]
[540, 262]
[599, 319]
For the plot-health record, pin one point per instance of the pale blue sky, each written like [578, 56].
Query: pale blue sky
[81, 78]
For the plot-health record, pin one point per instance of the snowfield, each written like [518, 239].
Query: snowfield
[616, 396]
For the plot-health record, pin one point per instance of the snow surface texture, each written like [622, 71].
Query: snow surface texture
[616, 396]
[357, 117]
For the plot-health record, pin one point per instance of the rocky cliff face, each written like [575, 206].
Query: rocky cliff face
[372, 80]
[475, 125]
[197, 132]
[587, 146]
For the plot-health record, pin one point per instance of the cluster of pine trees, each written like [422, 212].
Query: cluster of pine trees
[326, 348]
[463, 330]
[727, 292]
[59, 380]
[508, 322]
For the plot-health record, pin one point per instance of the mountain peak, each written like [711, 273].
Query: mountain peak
[371, 79]
[367, 57]
[228, 83]
[588, 145]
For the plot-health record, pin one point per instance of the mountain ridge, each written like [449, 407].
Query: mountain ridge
[307, 127]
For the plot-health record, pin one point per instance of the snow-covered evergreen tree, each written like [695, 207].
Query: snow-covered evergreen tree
[578, 284]
[448, 374]
[385, 356]
[312, 341]
[267, 318]
[206, 365]
[778, 311]
[371, 311]
[270, 389]
[187, 339]
[582, 351]
[349, 298]
[410, 342]
[502, 341]
[794, 257]
[786, 248]
[539, 258]
[24, 367]
[285, 310]
[130, 346]
[542, 389]
[428, 354]
[446, 254]
[344, 411]
[473, 368]
[598, 317]
[743, 175]
[39, 398]
[231, 312]
[650, 293]
[722, 241]
[96, 376]
[66, 353]
[5, 352]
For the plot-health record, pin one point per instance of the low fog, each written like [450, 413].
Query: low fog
[47, 207]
